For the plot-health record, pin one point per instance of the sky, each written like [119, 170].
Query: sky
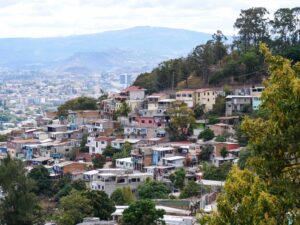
[52, 18]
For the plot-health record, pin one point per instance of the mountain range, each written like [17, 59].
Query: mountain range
[136, 49]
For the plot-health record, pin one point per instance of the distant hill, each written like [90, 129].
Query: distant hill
[138, 48]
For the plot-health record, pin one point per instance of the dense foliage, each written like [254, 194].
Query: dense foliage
[217, 62]
[207, 134]
[143, 212]
[122, 196]
[20, 205]
[80, 103]
[267, 190]
[152, 189]
[212, 172]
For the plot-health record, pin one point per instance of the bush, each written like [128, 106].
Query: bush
[206, 135]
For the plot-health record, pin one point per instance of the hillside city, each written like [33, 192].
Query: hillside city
[211, 138]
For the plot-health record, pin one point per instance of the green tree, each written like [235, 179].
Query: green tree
[220, 138]
[182, 120]
[219, 106]
[206, 152]
[211, 172]
[80, 103]
[79, 185]
[73, 208]
[269, 193]
[190, 190]
[20, 205]
[98, 161]
[152, 189]
[143, 212]
[122, 196]
[42, 180]
[223, 152]
[284, 26]
[246, 200]
[178, 177]
[102, 205]
[206, 135]
[109, 151]
[124, 110]
[253, 27]
[198, 111]
[3, 138]
[219, 48]
[244, 155]
[118, 197]
[83, 147]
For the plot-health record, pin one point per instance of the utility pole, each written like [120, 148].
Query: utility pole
[173, 77]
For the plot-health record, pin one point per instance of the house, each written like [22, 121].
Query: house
[256, 93]
[81, 117]
[98, 144]
[206, 97]
[176, 161]
[152, 100]
[124, 163]
[186, 96]
[158, 153]
[103, 126]
[119, 143]
[134, 92]
[109, 180]
[57, 128]
[238, 103]
[165, 104]
[68, 167]
[141, 157]
[107, 109]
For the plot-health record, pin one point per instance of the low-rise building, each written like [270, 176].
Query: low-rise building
[238, 103]
[256, 93]
[186, 96]
[125, 163]
[206, 97]
[176, 161]
[109, 180]
[98, 144]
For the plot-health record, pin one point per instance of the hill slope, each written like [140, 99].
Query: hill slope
[145, 45]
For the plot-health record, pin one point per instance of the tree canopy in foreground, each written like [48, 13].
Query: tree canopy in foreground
[267, 190]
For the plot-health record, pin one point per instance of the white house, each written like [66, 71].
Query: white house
[98, 144]
[176, 161]
[125, 163]
[109, 180]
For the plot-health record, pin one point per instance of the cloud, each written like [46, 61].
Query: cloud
[43, 18]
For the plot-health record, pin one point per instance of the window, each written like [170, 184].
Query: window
[150, 121]
[102, 142]
[121, 180]
[178, 95]
[190, 95]
[183, 95]
[143, 121]
[96, 144]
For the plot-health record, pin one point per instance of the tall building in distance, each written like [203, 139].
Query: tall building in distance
[125, 80]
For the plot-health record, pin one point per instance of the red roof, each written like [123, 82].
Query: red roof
[133, 88]
[103, 139]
